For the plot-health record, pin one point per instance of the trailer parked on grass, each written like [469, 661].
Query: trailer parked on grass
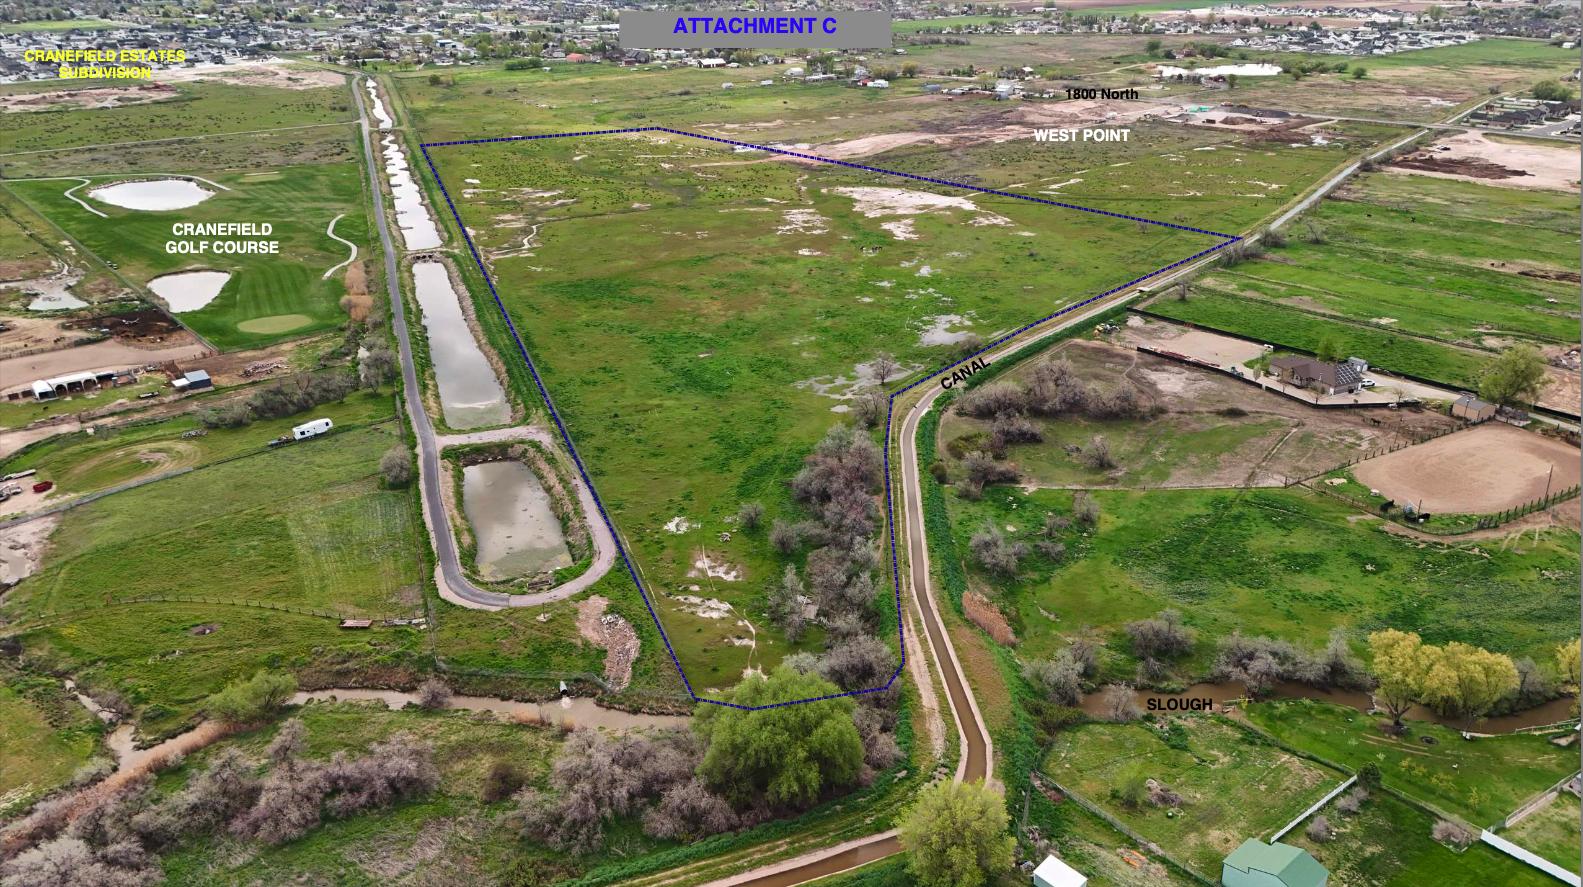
[311, 429]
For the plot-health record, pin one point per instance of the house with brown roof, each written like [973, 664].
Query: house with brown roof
[1322, 376]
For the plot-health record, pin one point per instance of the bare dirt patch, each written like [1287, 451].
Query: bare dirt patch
[1475, 157]
[23, 334]
[109, 354]
[1482, 470]
[265, 72]
[147, 327]
[1004, 124]
[22, 549]
[611, 633]
[98, 97]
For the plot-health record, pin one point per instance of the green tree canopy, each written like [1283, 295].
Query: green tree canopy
[955, 836]
[1552, 91]
[787, 756]
[1331, 350]
[1465, 680]
[1400, 664]
[247, 701]
[1514, 376]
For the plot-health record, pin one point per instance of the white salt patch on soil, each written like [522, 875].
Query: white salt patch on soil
[703, 565]
[680, 524]
[707, 608]
[940, 332]
[873, 202]
[803, 221]
[901, 230]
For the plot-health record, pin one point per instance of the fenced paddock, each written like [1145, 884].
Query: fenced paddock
[1486, 469]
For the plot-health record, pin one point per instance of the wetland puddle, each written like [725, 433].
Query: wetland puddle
[517, 533]
[470, 393]
[157, 195]
[189, 290]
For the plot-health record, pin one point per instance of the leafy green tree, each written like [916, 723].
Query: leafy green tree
[1569, 662]
[1152, 48]
[787, 756]
[1465, 680]
[251, 700]
[1551, 91]
[1330, 350]
[1400, 664]
[1514, 376]
[1359, 72]
[955, 836]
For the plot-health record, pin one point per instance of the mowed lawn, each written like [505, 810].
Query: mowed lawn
[1421, 275]
[1267, 562]
[306, 525]
[269, 297]
[1481, 780]
[1232, 786]
[686, 308]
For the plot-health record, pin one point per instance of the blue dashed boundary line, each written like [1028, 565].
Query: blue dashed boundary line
[890, 509]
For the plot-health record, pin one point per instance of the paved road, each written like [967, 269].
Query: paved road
[449, 577]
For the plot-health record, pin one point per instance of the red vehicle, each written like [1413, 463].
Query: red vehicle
[43, 486]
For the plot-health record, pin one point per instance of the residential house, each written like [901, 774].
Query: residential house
[1322, 376]
[1257, 864]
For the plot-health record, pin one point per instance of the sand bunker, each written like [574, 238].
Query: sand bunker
[1482, 470]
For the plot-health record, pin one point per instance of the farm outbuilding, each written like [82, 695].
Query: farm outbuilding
[1257, 864]
[1055, 873]
[71, 383]
[1471, 408]
[195, 380]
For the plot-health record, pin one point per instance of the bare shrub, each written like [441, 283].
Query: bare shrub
[1162, 795]
[869, 409]
[994, 399]
[1353, 801]
[1163, 637]
[1084, 653]
[750, 515]
[397, 768]
[1059, 680]
[858, 663]
[1259, 662]
[1055, 551]
[1452, 834]
[884, 366]
[434, 694]
[876, 726]
[69, 862]
[1319, 830]
[1119, 704]
[1097, 454]
[995, 553]
[784, 537]
[1085, 510]
[687, 812]
[981, 611]
[982, 469]
[288, 806]
[1007, 430]
[786, 604]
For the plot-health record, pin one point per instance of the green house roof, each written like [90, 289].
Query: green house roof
[1293, 866]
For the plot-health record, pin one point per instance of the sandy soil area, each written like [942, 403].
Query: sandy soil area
[1484, 469]
[99, 97]
[110, 354]
[1221, 350]
[275, 72]
[26, 333]
[999, 125]
[1475, 157]
[12, 440]
[611, 633]
[1563, 390]
[22, 548]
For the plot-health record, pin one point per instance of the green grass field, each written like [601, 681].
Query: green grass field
[1232, 787]
[1388, 843]
[83, 463]
[1552, 831]
[1284, 563]
[65, 24]
[1416, 274]
[41, 745]
[299, 202]
[197, 107]
[1480, 780]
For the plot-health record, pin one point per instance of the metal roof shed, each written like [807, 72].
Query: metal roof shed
[1257, 864]
[1055, 873]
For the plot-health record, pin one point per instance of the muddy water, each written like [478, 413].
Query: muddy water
[189, 290]
[1552, 712]
[516, 532]
[570, 711]
[157, 195]
[470, 393]
[380, 113]
[412, 217]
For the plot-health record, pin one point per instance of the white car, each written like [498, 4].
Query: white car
[1368, 383]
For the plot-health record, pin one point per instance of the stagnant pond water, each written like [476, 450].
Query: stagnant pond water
[1552, 712]
[515, 531]
[412, 217]
[155, 195]
[570, 711]
[189, 290]
[470, 393]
